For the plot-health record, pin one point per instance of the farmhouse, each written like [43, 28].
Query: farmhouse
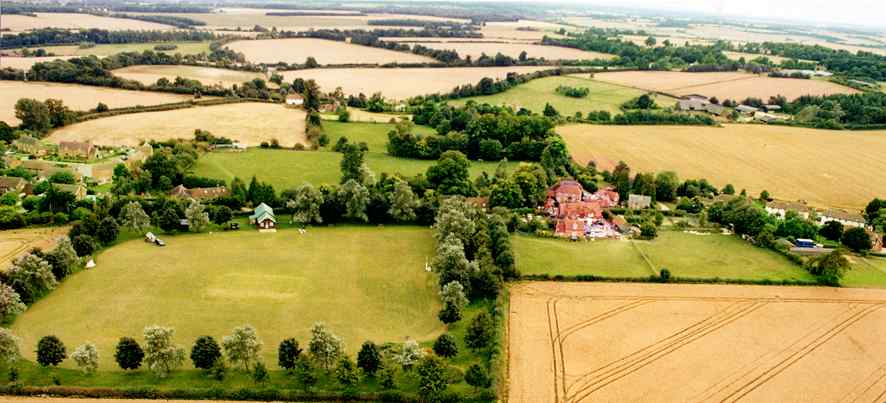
[780, 208]
[637, 202]
[578, 213]
[77, 150]
[11, 184]
[263, 217]
[200, 194]
[29, 145]
[295, 100]
[843, 217]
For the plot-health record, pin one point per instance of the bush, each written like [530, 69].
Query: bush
[50, 351]
[129, 354]
[478, 377]
[288, 353]
[369, 359]
[449, 314]
[84, 244]
[480, 332]
[205, 352]
[857, 239]
[445, 346]
[664, 275]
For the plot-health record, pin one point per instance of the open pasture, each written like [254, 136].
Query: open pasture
[296, 50]
[247, 123]
[580, 342]
[684, 254]
[149, 74]
[534, 94]
[477, 49]
[867, 272]
[791, 163]
[285, 169]
[18, 23]
[735, 86]
[281, 283]
[77, 97]
[402, 83]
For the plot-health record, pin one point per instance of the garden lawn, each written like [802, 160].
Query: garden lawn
[561, 257]
[717, 255]
[286, 169]
[365, 283]
[685, 255]
[536, 93]
[866, 272]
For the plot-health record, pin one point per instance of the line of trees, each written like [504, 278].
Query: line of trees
[860, 65]
[56, 36]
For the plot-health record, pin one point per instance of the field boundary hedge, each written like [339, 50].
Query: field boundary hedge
[590, 278]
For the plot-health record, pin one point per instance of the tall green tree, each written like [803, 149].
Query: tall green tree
[306, 204]
[450, 175]
[205, 352]
[50, 351]
[33, 114]
[355, 198]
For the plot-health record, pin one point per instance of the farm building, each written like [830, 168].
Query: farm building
[578, 213]
[843, 217]
[263, 217]
[295, 100]
[29, 145]
[12, 184]
[780, 208]
[765, 117]
[637, 202]
[200, 194]
[77, 150]
[746, 110]
[699, 104]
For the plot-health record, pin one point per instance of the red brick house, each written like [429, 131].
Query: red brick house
[575, 210]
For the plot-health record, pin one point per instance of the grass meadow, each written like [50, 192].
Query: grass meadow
[281, 283]
[286, 169]
[685, 255]
[866, 272]
[536, 93]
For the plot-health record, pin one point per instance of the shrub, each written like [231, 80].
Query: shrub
[369, 359]
[664, 275]
[50, 351]
[84, 244]
[205, 352]
[288, 354]
[478, 377]
[129, 354]
[260, 372]
[480, 332]
[449, 314]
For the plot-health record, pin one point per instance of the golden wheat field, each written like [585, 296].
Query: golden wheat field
[149, 74]
[823, 167]
[324, 51]
[736, 86]
[401, 83]
[25, 63]
[247, 123]
[77, 97]
[583, 342]
[17, 242]
[476, 49]
[18, 23]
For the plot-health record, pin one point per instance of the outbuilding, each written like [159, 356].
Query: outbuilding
[263, 217]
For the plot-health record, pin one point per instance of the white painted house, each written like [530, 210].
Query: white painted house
[846, 218]
[295, 100]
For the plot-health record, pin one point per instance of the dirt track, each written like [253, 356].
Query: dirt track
[572, 342]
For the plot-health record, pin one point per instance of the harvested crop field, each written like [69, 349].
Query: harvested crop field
[791, 163]
[477, 49]
[247, 123]
[574, 342]
[401, 83]
[247, 18]
[25, 63]
[296, 50]
[185, 48]
[149, 74]
[18, 23]
[736, 86]
[14, 243]
[77, 97]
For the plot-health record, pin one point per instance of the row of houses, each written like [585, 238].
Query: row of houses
[21, 187]
[849, 219]
[99, 173]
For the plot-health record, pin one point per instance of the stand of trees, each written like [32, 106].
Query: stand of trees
[55, 36]
[861, 65]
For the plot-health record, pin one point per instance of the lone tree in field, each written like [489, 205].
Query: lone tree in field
[306, 204]
[205, 352]
[242, 346]
[324, 346]
[86, 357]
[288, 354]
[445, 346]
[198, 218]
[161, 355]
[134, 218]
[9, 351]
[369, 359]
[50, 351]
[11, 304]
[129, 354]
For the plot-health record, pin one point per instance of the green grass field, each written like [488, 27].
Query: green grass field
[536, 93]
[281, 283]
[286, 169]
[185, 48]
[866, 272]
[685, 255]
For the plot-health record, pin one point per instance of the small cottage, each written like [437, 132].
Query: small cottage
[295, 100]
[263, 217]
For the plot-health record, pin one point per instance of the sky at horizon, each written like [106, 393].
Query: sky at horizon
[871, 13]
